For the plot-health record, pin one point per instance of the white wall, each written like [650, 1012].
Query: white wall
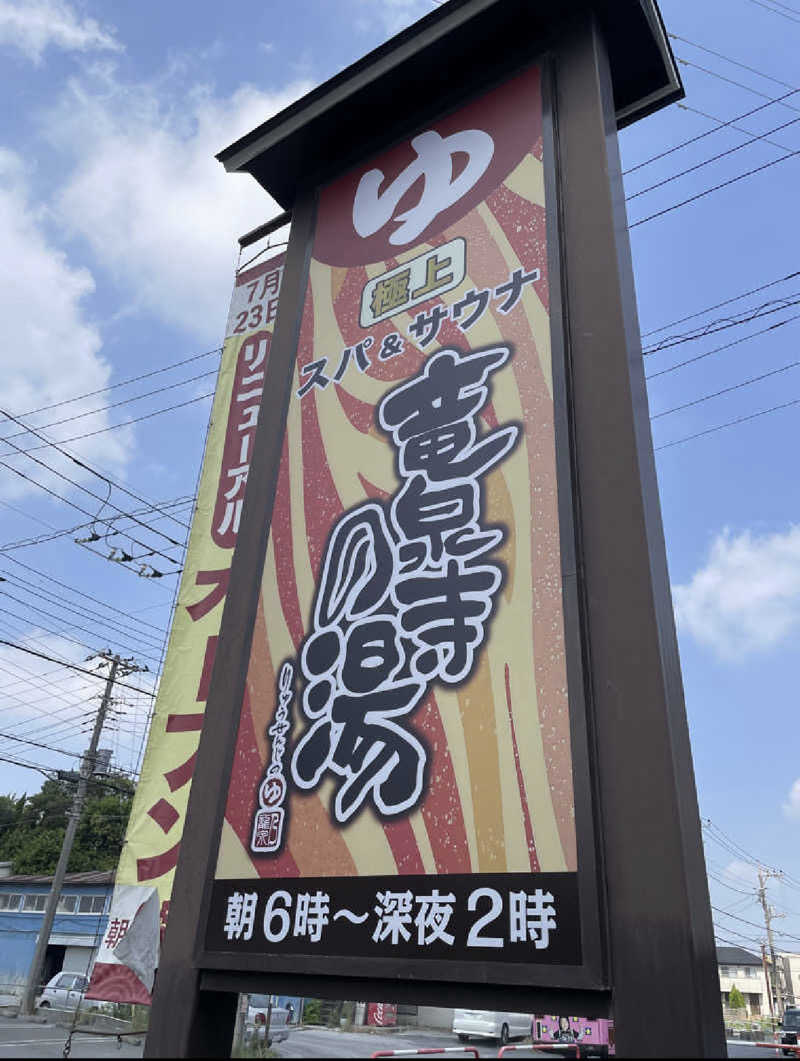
[76, 959]
[435, 1017]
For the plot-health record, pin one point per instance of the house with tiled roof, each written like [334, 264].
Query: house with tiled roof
[742, 969]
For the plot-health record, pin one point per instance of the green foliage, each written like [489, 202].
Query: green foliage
[312, 1012]
[736, 998]
[34, 826]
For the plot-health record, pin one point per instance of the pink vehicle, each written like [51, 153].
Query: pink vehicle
[594, 1037]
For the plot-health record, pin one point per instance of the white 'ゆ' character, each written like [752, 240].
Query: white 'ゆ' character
[373, 208]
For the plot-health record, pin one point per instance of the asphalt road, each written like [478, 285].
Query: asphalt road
[20, 1038]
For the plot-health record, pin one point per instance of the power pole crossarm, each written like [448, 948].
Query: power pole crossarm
[73, 819]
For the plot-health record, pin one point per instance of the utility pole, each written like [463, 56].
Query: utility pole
[125, 666]
[765, 967]
[777, 994]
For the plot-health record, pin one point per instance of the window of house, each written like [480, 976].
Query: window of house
[67, 904]
[725, 970]
[91, 904]
[34, 903]
[10, 901]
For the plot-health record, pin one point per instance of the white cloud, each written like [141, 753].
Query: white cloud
[739, 872]
[50, 349]
[792, 806]
[34, 25]
[392, 15]
[746, 598]
[160, 213]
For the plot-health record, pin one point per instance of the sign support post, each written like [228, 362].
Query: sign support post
[663, 960]
[645, 934]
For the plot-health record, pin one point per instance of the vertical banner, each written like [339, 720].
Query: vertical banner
[402, 786]
[152, 840]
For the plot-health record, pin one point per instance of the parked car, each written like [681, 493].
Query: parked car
[65, 991]
[490, 1024]
[791, 1027]
[255, 1031]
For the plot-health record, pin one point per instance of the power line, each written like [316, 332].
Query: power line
[729, 423]
[37, 744]
[775, 305]
[714, 158]
[127, 423]
[725, 346]
[733, 62]
[729, 844]
[88, 596]
[92, 471]
[26, 515]
[732, 942]
[45, 684]
[779, 3]
[41, 539]
[710, 132]
[50, 597]
[95, 517]
[719, 880]
[715, 188]
[105, 408]
[721, 122]
[732, 81]
[753, 924]
[41, 626]
[719, 305]
[725, 390]
[776, 11]
[27, 765]
[122, 382]
[71, 666]
[149, 643]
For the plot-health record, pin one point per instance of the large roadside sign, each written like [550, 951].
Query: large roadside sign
[445, 754]
[403, 775]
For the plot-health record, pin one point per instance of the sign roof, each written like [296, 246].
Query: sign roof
[353, 113]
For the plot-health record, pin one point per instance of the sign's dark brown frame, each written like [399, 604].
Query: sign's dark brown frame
[645, 917]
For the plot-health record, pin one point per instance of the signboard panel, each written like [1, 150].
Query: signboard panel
[402, 784]
[153, 836]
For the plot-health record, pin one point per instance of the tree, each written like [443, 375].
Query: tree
[736, 999]
[36, 824]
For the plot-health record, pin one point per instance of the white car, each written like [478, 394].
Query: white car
[490, 1024]
[65, 991]
[256, 1024]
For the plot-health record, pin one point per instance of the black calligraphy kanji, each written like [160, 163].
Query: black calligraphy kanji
[405, 593]
[425, 513]
[446, 612]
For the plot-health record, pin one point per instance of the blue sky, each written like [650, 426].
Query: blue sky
[117, 229]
